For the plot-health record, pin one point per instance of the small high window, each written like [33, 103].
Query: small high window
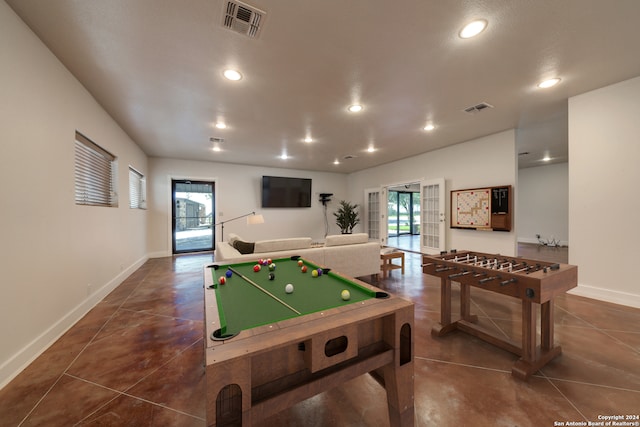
[137, 190]
[95, 171]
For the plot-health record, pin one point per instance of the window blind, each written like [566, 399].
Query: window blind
[137, 190]
[94, 173]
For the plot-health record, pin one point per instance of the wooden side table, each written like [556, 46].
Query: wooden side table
[387, 262]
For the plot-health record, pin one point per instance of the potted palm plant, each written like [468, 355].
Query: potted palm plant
[347, 217]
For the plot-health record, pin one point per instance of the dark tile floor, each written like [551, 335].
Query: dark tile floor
[136, 359]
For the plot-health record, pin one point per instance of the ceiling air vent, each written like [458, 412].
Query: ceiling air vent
[242, 18]
[216, 139]
[477, 108]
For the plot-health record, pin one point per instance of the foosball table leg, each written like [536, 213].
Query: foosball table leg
[465, 304]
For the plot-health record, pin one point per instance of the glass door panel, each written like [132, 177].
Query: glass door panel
[192, 214]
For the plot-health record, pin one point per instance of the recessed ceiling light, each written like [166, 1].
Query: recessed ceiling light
[284, 156]
[232, 74]
[546, 158]
[308, 139]
[371, 149]
[355, 108]
[216, 148]
[429, 127]
[221, 125]
[549, 83]
[472, 29]
[336, 162]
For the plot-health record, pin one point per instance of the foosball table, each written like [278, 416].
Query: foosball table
[533, 282]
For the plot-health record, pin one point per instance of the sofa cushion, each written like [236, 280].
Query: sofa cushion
[346, 239]
[233, 237]
[282, 244]
[244, 247]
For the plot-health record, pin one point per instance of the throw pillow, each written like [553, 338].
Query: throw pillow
[244, 247]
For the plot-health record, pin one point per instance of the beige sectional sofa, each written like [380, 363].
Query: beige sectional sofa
[350, 254]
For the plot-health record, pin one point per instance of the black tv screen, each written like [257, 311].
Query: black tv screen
[282, 192]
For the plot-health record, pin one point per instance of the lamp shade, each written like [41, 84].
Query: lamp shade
[255, 219]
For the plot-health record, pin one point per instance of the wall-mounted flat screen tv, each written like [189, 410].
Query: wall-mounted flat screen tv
[282, 192]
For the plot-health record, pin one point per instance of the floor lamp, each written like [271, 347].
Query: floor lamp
[252, 218]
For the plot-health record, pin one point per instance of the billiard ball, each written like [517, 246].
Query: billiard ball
[300, 263]
[314, 273]
[269, 261]
[303, 269]
[256, 268]
[319, 272]
[345, 295]
[272, 266]
[228, 273]
[272, 276]
[289, 288]
[222, 280]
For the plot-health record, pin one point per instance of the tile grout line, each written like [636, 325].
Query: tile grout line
[563, 395]
[64, 372]
[124, 393]
[604, 331]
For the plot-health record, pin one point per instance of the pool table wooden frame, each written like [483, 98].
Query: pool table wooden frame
[264, 370]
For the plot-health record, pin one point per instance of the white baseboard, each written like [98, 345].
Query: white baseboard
[615, 297]
[19, 361]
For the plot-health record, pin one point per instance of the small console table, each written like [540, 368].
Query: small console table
[387, 261]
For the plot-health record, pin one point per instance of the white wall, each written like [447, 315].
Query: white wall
[604, 207]
[483, 162]
[543, 203]
[237, 192]
[52, 249]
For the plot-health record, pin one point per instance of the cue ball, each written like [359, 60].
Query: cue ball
[272, 276]
[222, 280]
[345, 295]
[289, 288]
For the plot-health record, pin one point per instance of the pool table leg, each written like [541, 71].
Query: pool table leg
[229, 393]
[398, 376]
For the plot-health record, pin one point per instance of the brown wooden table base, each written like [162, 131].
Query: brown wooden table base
[532, 357]
[534, 286]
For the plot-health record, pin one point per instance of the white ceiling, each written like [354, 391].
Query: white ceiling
[156, 67]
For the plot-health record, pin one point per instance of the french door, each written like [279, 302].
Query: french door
[192, 214]
[432, 216]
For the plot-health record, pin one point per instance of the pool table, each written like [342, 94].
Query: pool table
[267, 349]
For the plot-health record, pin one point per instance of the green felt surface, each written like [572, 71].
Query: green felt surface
[243, 306]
